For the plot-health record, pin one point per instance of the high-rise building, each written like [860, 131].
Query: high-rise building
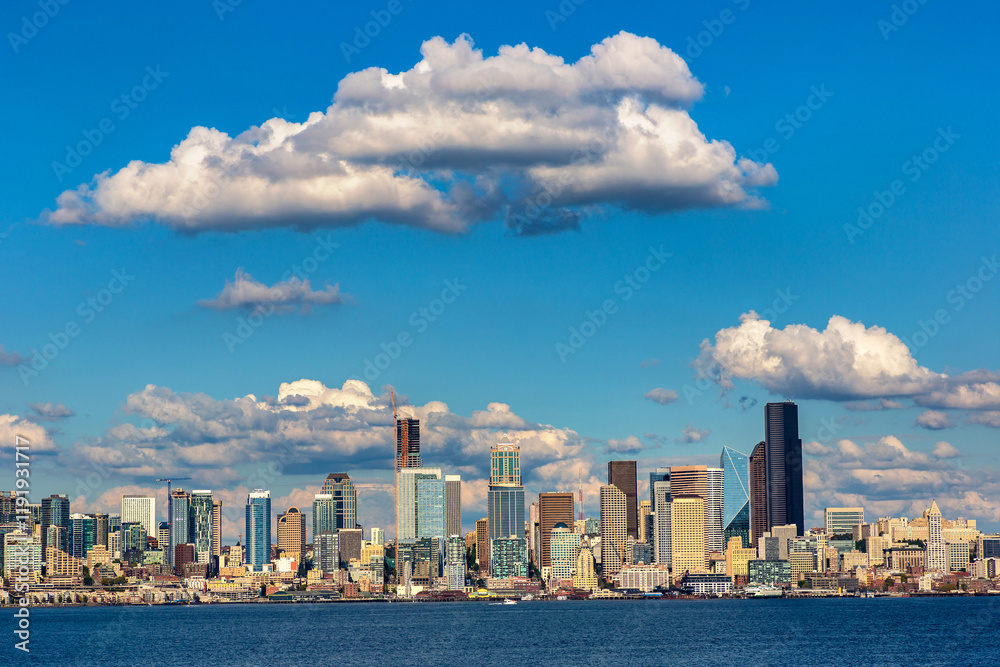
[340, 487]
[661, 523]
[505, 463]
[553, 509]
[645, 508]
[453, 504]
[564, 549]
[585, 576]
[324, 514]
[350, 544]
[430, 507]
[658, 475]
[55, 512]
[483, 546]
[292, 533]
[180, 521]
[687, 532]
[783, 465]
[534, 536]
[216, 528]
[101, 529]
[842, 520]
[163, 539]
[505, 511]
[935, 555]
[508, 557]
[614, 534]
[82, 535]
[141, 509]
[326, 551]
[407, 510]
[201, 525]
[408, 443]
[258, 522]
[758, 494]
[707, 484]
[622, 474]
[133, 537]
[378, 536]
[735, 496]
[454, 563]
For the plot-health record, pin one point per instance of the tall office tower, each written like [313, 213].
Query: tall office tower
[614, 531]
[935, 556]
[622, 474]
[430, 507]
[505, 511]
[706, 483]
[783, 465]
[453, 504]
[8, 507]
[553, 509]
[408, 443]
[292, 533]
[326, 551]
[216, 528]
[350, 544]
[180, 521]
[163, 539]
[758, 495]
[483, 546]
[141, 509]
[735, 496]
[100, 529]
[345, 499]
[82, 535]
[57, 538]
[842, 520]
[378, 536]
[661, 523]
[658, 475]
[407, 511]
[454, 563]
[645, 508]
[505, 463]
[324, 514]
[133, 538]
[114, 523]
[258, 539]
[687, 533]
[564, 547]
[55, 512]
[201, 525]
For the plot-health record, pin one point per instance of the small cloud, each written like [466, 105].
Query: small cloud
[871, 406]
[11, 358]
[48, 412]
[661, 395]
[649, 363]
[243, 292]
[747, 402]
[629, 445]
[655, 437]
[934, 420]
[989, 418]
[945, 450]
[726, 91]
[691, 434]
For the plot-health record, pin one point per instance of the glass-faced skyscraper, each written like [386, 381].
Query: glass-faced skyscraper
[201, 525]
[658, 475]
[736, 496]
[505, 499]
[180, 521]
[55, 512]
[783, 465]
[339, 486]
[258, 541]
[622, 474]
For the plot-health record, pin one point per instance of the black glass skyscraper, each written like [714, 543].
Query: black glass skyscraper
[623, 475]
[783, 465]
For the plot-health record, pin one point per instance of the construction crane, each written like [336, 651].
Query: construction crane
[395, 470]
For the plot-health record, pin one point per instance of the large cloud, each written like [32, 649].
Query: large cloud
[844, 362]
[243, 292]
[456, 139]
[13, 427]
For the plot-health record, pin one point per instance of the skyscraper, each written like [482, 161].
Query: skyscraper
[658, 475]
[140, 509]
[258, 538]
[324, 514]
[326, 551]
[758, 495]
[340, 487]
[201, 525]
[783, 465]
[292, 533]
[553, 509]
[378, 536]
[430, 507]
[453, 504]
[180, 521]
[55, 512]
[216, 528]
[505, 498]
[100, 529]
[645, 509]
[687, 533]
[736, 496]
[707, 484]
[661, 522]
[82, 535]
[622, 474]
[614, 532]
[935, 556]
[407, 510]
[483, 546]
[408, 443]
[505, 463]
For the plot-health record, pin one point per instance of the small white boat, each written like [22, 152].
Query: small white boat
[508, 601]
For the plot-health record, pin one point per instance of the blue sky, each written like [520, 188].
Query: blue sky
[879, 97]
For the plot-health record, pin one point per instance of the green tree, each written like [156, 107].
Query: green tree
[804, 583]
[903, 578]
[861, 545]
[87, 579]
[263, 590]
[889, 581]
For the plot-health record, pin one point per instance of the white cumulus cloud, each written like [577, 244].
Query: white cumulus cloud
[661, 395]
[243, 292]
